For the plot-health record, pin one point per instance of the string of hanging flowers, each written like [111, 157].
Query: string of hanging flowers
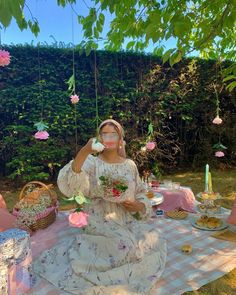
[218, 147]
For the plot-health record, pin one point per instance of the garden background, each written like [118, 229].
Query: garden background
[135, 89]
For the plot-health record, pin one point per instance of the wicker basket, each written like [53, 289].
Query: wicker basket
[30, 194]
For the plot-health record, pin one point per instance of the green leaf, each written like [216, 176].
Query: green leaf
[231, 86]
[176, 57]
[167, 55]
[130, 44]
[231, 77]
[41, 126]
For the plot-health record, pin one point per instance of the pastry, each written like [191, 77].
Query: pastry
[187, 248]
[177, 214]
[150, 194]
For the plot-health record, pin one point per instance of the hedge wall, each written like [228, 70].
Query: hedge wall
[135, 89]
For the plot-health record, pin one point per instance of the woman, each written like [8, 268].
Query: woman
[115, 253]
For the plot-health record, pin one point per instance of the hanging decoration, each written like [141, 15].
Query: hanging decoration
[218, 147]
[217, 120]
[41, 133]
[150, 145]
[74, 98]
[4, 58]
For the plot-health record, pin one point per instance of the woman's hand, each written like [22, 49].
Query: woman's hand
[134, 206]
[93, 146]
[82, 155]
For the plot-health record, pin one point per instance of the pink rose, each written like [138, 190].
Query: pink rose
[74, 99]
[219, 154]
[41, 135]
[150, 145]
[78, 219]
[4, 58]
[217, 120]
[116, 192]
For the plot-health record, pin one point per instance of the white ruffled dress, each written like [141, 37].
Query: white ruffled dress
[115, 253]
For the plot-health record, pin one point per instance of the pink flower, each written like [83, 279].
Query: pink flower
[150, 145]
[217, 120]
[78, 219]
[219, 154]
[116, 192]
[4, 58]
[74, 99]
[41, 135]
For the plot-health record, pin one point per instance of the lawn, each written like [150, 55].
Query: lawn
[224, 182]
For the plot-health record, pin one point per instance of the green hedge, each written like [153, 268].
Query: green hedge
[132, 88]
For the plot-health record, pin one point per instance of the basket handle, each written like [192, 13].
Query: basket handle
[34, 182]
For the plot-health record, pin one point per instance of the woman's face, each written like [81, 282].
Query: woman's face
[109, 137]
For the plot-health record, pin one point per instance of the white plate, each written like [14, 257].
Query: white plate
[157, 199]
[194, 219]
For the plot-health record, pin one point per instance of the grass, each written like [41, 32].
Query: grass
[224, 182]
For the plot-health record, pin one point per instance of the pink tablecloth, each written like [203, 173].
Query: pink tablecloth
[174, 199]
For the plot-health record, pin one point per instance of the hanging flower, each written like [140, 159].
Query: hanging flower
[74, 99]
[150, 146]
[219, 154]
[4, 58]
[42, 135]
[217, 120]
[78, 219]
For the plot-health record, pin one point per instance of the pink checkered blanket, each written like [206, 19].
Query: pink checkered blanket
[209, 260]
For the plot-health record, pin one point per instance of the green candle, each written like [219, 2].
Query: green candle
[210, 182]
[206, 177]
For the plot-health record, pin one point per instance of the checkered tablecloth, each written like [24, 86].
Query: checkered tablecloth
[210, 259]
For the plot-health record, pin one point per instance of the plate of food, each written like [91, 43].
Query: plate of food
[177, 214]
[210, 209]
[208, 223]
[155, 198]
[209, 196]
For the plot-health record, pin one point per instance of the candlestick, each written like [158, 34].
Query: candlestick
[206, 178]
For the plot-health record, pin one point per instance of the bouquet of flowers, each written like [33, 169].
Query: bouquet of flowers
[78, 218]
[113, 187]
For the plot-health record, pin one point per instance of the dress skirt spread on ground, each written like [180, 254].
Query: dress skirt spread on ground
[115, 253]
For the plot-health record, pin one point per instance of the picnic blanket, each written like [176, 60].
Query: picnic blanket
[209, 260]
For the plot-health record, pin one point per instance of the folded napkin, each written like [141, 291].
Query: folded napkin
[227, 235]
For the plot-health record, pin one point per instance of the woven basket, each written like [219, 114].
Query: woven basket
[31, 193]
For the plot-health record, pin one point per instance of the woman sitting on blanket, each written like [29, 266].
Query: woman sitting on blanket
[117, 253]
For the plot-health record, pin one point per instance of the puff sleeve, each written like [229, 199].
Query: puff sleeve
[70, 182]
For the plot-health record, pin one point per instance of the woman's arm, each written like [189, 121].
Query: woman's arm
[82, 156]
